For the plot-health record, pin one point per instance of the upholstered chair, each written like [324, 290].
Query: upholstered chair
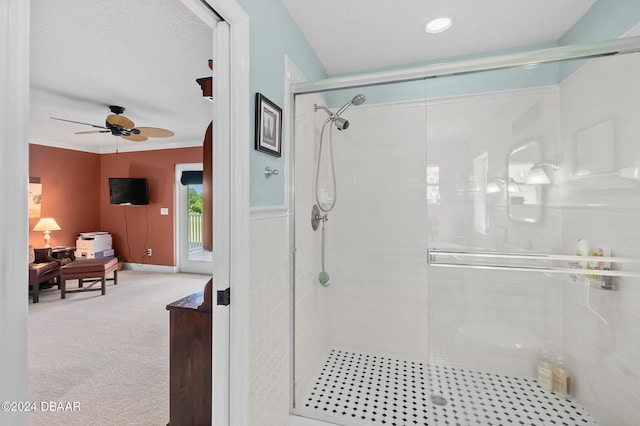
[43, 268]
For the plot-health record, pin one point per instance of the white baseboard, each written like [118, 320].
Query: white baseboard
[150, 268]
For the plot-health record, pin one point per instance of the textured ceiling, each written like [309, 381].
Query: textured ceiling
[144, 55]
[357, 35]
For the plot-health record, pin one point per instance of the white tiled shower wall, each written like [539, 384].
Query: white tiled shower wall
[600, 113]
[377, 232]
[311, 299]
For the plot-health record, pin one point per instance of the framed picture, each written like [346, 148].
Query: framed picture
[268, 126]
[35, 196]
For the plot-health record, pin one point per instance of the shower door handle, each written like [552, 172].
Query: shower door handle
[528, 262]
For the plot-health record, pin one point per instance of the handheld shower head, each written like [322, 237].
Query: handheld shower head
[357, 100]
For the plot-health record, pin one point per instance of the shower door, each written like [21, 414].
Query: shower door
[539, 165]
[361, 342]
[462, 204]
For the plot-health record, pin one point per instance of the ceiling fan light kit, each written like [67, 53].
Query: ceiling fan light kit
[119, 125]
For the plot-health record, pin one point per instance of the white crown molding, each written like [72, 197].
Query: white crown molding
[125, 146]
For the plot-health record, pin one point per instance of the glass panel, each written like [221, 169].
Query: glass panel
[370, 320]
[194, 225]
[560, 182]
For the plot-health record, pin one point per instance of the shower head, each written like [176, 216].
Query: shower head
[357, 100]
[341, 123]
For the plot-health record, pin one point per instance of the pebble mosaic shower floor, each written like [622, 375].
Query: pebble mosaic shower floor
[357, 388]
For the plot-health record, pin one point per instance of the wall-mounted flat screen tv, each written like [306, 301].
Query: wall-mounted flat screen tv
[129, 191]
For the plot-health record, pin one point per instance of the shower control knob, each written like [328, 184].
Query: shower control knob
[316, 217]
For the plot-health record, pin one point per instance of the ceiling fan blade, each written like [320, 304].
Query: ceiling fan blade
[155, 132]
[79, 122]
[121, 121]
[93, 131]
[135, 138]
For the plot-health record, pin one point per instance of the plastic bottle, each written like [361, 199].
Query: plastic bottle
[545, 372]
[561, 379]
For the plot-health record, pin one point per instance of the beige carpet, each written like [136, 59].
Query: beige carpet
[108, 354]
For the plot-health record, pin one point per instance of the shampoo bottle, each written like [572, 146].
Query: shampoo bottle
[545, 372]
[561, 380]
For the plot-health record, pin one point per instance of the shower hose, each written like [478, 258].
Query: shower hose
[333, 170]
[323, 277]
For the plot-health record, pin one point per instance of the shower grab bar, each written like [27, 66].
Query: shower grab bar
[433, 260]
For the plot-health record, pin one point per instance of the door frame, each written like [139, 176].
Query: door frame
[230, 162]
[231, 170]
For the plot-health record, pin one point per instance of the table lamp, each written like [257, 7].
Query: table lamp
[47, 224]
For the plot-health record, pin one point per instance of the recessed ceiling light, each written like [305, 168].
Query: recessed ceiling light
[438, 25]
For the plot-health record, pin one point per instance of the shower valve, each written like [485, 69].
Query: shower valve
[317, 217]
[322, 217]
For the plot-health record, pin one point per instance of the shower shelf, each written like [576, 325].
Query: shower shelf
[528, 262]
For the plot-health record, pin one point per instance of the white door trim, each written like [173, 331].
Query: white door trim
[235, 158]
[14, 172]
[231, 176]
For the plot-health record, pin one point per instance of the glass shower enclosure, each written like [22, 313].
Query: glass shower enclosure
[486, 217]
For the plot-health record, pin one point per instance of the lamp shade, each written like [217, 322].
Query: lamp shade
[47, 224]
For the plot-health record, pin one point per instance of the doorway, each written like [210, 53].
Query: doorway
[191, 255]
[234, 123]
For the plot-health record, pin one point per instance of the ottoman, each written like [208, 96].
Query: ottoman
[90, 270]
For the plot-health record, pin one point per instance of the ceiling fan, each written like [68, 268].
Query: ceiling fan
[119, 125]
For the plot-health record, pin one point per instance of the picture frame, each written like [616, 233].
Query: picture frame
[268, 126]
[35, 197]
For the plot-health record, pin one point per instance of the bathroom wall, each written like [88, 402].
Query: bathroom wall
[600, 106]
[377, 233]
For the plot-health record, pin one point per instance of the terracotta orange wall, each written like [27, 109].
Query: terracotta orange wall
[136, 228]
[69, 192]
[75, 192]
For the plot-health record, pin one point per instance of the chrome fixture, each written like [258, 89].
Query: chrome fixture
[357, 100]
[529, 262]
[268, 171]
[316, 217]
[341, 124]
